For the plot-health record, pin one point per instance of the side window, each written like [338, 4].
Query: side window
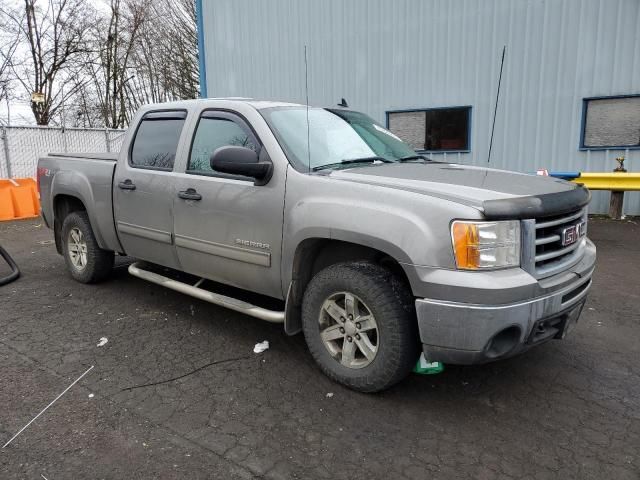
[156, 140]
[612, 122]
[213, 133]
[433, 129]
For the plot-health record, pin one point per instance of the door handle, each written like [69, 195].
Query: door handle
[127, 185]
[190, 194]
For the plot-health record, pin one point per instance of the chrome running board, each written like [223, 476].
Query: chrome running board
[215, 298]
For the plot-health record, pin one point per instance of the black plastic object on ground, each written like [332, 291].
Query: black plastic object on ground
[15, 272]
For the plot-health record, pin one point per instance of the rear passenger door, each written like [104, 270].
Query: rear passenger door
[226, 228]
[144, 190]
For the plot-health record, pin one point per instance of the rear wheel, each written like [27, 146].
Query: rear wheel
[86, 261]
[359, 323]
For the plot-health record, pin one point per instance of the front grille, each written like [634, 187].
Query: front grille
[550, 255]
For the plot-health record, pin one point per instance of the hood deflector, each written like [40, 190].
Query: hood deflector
[536, 205]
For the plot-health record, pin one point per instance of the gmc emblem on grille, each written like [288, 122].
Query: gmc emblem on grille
[572, 234]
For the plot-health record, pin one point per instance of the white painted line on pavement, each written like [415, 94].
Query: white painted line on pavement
[45, 408]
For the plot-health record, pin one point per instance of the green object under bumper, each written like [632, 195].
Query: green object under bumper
[424, 367]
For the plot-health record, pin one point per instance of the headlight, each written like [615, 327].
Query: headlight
[486, 245]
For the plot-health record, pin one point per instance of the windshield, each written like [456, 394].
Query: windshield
[333, 137]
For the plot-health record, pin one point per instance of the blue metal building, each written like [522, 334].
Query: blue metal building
[570, 90]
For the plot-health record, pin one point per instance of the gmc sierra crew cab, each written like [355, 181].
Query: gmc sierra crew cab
[323, 220]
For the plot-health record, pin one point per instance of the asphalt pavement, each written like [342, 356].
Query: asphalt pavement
[177, 392]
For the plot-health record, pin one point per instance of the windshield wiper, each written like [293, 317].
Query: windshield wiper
[413, 157]
[352, 161]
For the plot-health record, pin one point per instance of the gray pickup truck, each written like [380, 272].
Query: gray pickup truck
[325, 221]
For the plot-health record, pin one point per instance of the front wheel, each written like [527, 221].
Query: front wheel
[359, 323]
[86, 261]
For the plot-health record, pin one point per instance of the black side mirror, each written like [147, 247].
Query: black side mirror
[242, 161]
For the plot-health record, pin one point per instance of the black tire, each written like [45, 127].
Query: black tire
[99, 262]
[389, 300]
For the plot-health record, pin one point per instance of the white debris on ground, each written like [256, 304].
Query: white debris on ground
[103, 341]
[91, 395]
[261, 347]
[329, 394]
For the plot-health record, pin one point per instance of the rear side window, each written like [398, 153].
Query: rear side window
[213, 133]
[156, 140]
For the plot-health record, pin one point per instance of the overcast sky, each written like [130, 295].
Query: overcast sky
[20, 112]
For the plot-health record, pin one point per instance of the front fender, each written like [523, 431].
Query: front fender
[413, 229]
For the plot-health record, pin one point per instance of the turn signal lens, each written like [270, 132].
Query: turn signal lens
[486, 245]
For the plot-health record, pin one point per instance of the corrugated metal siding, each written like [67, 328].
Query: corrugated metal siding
[395, 54]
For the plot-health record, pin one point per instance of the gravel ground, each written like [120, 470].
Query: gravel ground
[567, 409]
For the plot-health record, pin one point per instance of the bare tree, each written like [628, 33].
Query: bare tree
[98, 65]
[165, 54]
[53, 32]
[146, 52]
[83, 109]
[9, 41]
[115, 66]
[175, 26]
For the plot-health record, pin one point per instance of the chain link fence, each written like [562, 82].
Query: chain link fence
[20, 147]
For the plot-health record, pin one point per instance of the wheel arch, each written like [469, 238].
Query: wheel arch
[63, 205]
[316, 253]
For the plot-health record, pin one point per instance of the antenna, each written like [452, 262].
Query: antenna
[306, 92]
[495, 111]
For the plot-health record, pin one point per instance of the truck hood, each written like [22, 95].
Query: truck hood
[498, 193]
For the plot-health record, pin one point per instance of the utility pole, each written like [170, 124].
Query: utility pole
[62, 109]
[64, 136]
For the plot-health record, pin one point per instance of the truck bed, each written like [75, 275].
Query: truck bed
[88, 177]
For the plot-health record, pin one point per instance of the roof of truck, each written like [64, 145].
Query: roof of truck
[256, 103]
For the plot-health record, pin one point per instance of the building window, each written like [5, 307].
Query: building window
[433, 129]
[611, 122]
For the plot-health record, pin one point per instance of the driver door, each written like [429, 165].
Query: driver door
[226, 228]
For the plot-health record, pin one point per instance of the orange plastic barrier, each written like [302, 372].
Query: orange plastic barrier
[18, 199]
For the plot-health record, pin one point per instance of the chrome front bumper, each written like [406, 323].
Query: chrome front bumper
[471, 333]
